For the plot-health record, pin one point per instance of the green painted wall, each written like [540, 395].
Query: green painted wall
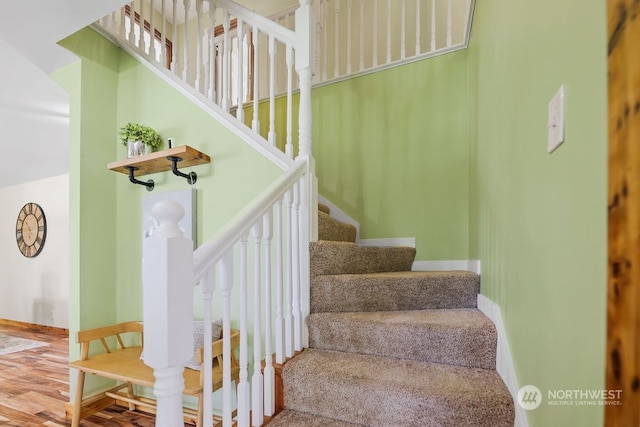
[538, 221]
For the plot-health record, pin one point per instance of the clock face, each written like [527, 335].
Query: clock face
[31, 230]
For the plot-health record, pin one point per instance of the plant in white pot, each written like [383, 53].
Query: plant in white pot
[139, 139]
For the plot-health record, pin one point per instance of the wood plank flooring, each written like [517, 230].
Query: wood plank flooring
[34, 387]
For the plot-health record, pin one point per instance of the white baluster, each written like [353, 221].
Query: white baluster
[325, 45]
[255, 124]
[318, 49]
[361, 35]
[269, 372]
[288, 306]
[257, 383]
[279, 326]
[288, 149]
[449, 24]
[198, 81]
[388, 31]
[185, 54]
[207, 287]
[174, 53]
[272, 91]
[163, 36]
[308, 232]
[141, 44]
[375, 33]
[433, 25]
[295, 250]
[168, 309]
[226, 53]
[418, 27]
[122, 27]
[132, 23]
[349, 31]
[240, 74]
[403, 30]
[244, 393]
[152, 32]
[226, 284]
[336, 66]
[212, 52]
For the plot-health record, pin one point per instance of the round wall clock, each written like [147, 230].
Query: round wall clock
[31, 230]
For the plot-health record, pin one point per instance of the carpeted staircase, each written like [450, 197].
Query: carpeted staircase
[389, 346]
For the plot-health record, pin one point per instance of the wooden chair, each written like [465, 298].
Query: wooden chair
[122, 363]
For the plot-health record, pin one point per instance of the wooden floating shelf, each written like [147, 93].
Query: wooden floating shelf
[159, 162]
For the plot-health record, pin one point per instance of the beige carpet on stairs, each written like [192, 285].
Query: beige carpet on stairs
[391, 347]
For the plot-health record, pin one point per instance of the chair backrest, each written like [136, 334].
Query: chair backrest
[85, 337]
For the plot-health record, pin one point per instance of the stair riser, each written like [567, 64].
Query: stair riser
[334, 230]
[346, 293]
[473, 345]
[347, 258]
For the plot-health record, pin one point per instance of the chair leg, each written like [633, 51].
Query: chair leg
[77, 406]
[200, 420]
[130, 395]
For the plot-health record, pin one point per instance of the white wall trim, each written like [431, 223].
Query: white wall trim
[504, 362]
[447, 265]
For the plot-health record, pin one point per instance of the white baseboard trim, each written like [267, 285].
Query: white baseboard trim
[392, 241]
[504, 362]
[448, 265]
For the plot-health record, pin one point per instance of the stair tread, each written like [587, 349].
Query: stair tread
[464, 337]
[374, 390]
[289, 418]
[390, 291]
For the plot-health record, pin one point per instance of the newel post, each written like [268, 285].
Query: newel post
[308, 220]
[168, 310]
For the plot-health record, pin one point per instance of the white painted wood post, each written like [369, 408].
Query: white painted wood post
[168, 310]
[304, 68]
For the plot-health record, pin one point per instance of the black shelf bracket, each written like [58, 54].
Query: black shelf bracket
[149, 184]
[191, 177]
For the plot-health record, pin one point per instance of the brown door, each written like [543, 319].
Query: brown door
[623, 307]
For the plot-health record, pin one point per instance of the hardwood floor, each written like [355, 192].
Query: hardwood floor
[34, 387]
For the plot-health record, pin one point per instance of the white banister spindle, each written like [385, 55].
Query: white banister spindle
[257, 383]
[325, 33]
[269, 371]
[240, 72]
[255, 124]
[226, 284]
[174, 53]
[289, 145]
[163, 36]
[141, 44]
[185, 53]
[449, 24]
[336, 60]
[244, 393]
[272, 91]
[388, 31]
[152, 31]
[295, 250]
[403, 30]
[361, 35]
[198, 81]
[168, 309]
[226, 53]
[418, 20]
[349, 34]
[375, 33]
[279, 324]
[132, 23]
[208, 286]
[288, 306]
[212, 53]
[433, 25]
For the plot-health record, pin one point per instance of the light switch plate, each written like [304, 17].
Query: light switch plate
[555, 121]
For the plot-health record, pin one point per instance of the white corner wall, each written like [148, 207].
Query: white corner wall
[36, 290]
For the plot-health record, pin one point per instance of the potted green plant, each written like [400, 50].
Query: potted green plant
[139, 139]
